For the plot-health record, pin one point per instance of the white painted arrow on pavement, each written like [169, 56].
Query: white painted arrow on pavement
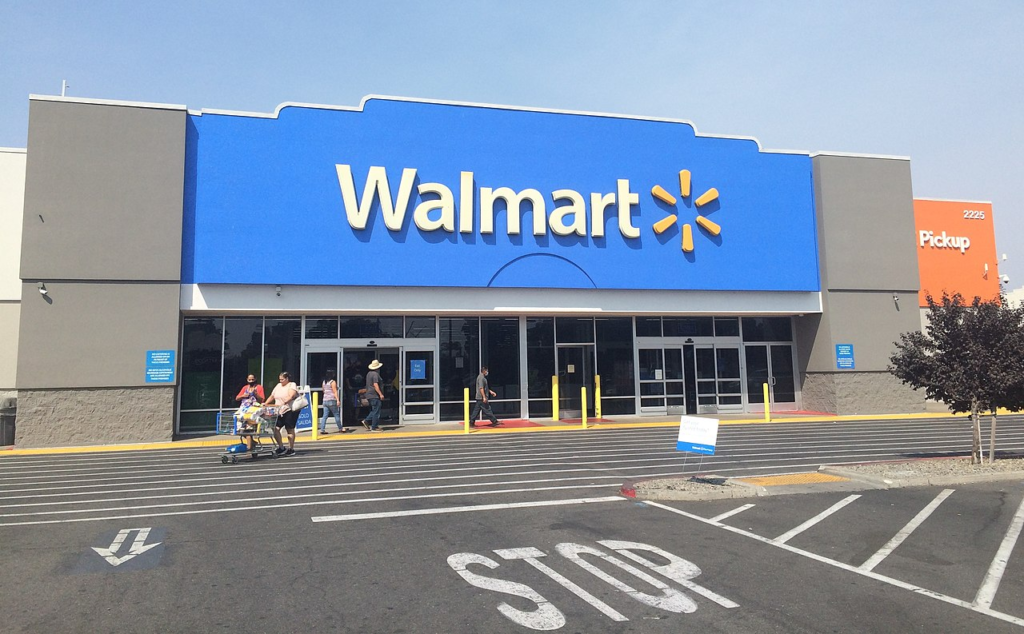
[138, 546]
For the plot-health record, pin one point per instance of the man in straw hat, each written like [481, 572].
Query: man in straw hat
[374, 395]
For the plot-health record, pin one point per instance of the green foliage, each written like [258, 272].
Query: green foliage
[970, 356]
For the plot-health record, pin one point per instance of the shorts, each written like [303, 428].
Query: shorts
[288, 420]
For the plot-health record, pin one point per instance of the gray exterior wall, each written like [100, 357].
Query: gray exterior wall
[865, 217]
[103, 192]
[102, 232]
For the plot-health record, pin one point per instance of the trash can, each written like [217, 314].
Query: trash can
[8, 413]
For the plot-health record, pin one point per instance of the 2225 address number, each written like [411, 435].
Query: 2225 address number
[974, 214]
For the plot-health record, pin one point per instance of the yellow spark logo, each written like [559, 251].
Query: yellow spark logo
[665, 224]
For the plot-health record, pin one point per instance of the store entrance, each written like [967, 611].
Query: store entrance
[356, 362]
[690, 379]
[575, 371]
[771, 364]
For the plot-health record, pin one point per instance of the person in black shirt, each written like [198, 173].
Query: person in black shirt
[483, 392]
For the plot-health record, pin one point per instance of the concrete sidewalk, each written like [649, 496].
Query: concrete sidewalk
[422, 430]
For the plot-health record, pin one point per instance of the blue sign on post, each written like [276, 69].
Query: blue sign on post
[305, 420]
[844, 356]
[159, 366]
[417, 369]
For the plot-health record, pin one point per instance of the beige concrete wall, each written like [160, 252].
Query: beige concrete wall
[74, 417]
[12, 204]
[855, 393]
[10, 314]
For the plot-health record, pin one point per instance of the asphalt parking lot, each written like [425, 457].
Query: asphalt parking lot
[515, 533]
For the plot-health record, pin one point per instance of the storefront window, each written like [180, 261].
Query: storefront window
[727, 327]
[243, 346]
[371, 327]
[459, 356]
[321, 328]
[540, 359]
[201, 343]
[574, 329]
[615, 356]
[499, 351]
[648, 326]
[767, 329]
[420, 327]
[688, 326]
[281, 351]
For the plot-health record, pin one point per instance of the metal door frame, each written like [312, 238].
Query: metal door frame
[588, 379]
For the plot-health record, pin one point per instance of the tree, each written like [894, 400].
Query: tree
[970, 357]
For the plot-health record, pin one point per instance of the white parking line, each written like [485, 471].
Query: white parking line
[788, 535]
[838, 564]
[261, 507]
[990, 585]
[905, 532]
[728, 514]
[462, 509]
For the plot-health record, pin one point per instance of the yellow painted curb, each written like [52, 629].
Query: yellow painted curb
[228, 439]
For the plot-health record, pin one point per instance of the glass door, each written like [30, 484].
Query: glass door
[575, 371]
[317, 364]
[418, 385]
[771, 364]
[718, 382]
[357, 361]
[652, 380]
[662, 387]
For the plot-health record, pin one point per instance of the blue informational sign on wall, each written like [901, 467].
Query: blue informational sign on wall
[417, 369]
[160, 366]
[434, 194]
[844, 356]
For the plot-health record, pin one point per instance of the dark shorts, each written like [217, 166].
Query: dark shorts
[288, 420]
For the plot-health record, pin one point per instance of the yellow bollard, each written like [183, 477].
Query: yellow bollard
[767, 405]
[597, 396]
[583, 400]
[316, 415]
[554, 398]
[465, 409]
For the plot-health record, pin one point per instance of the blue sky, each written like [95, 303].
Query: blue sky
[937, 81]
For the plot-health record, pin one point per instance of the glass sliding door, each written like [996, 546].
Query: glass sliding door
[652, 380]
[575, 371]
[662, 380]
[318, 362]
[719, 386]
[418, 385]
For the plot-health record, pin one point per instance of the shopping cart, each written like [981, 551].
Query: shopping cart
[256, 424]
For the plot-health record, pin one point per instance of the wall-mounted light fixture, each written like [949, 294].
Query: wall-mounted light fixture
[277, 289]
[1005, 279]
[895, 297]
[985, 275]
[42, 289]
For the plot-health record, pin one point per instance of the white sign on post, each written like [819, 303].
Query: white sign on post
[697, 435]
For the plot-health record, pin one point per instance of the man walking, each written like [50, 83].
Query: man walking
[483, 392]
[374, 395]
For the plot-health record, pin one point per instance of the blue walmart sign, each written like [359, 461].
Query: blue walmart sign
[423, 194]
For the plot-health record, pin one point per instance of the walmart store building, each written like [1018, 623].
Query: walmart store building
[165, 253]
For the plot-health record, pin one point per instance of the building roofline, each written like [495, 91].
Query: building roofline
[362, 104]
[859, 155]
[108, 102]
[953, 200]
